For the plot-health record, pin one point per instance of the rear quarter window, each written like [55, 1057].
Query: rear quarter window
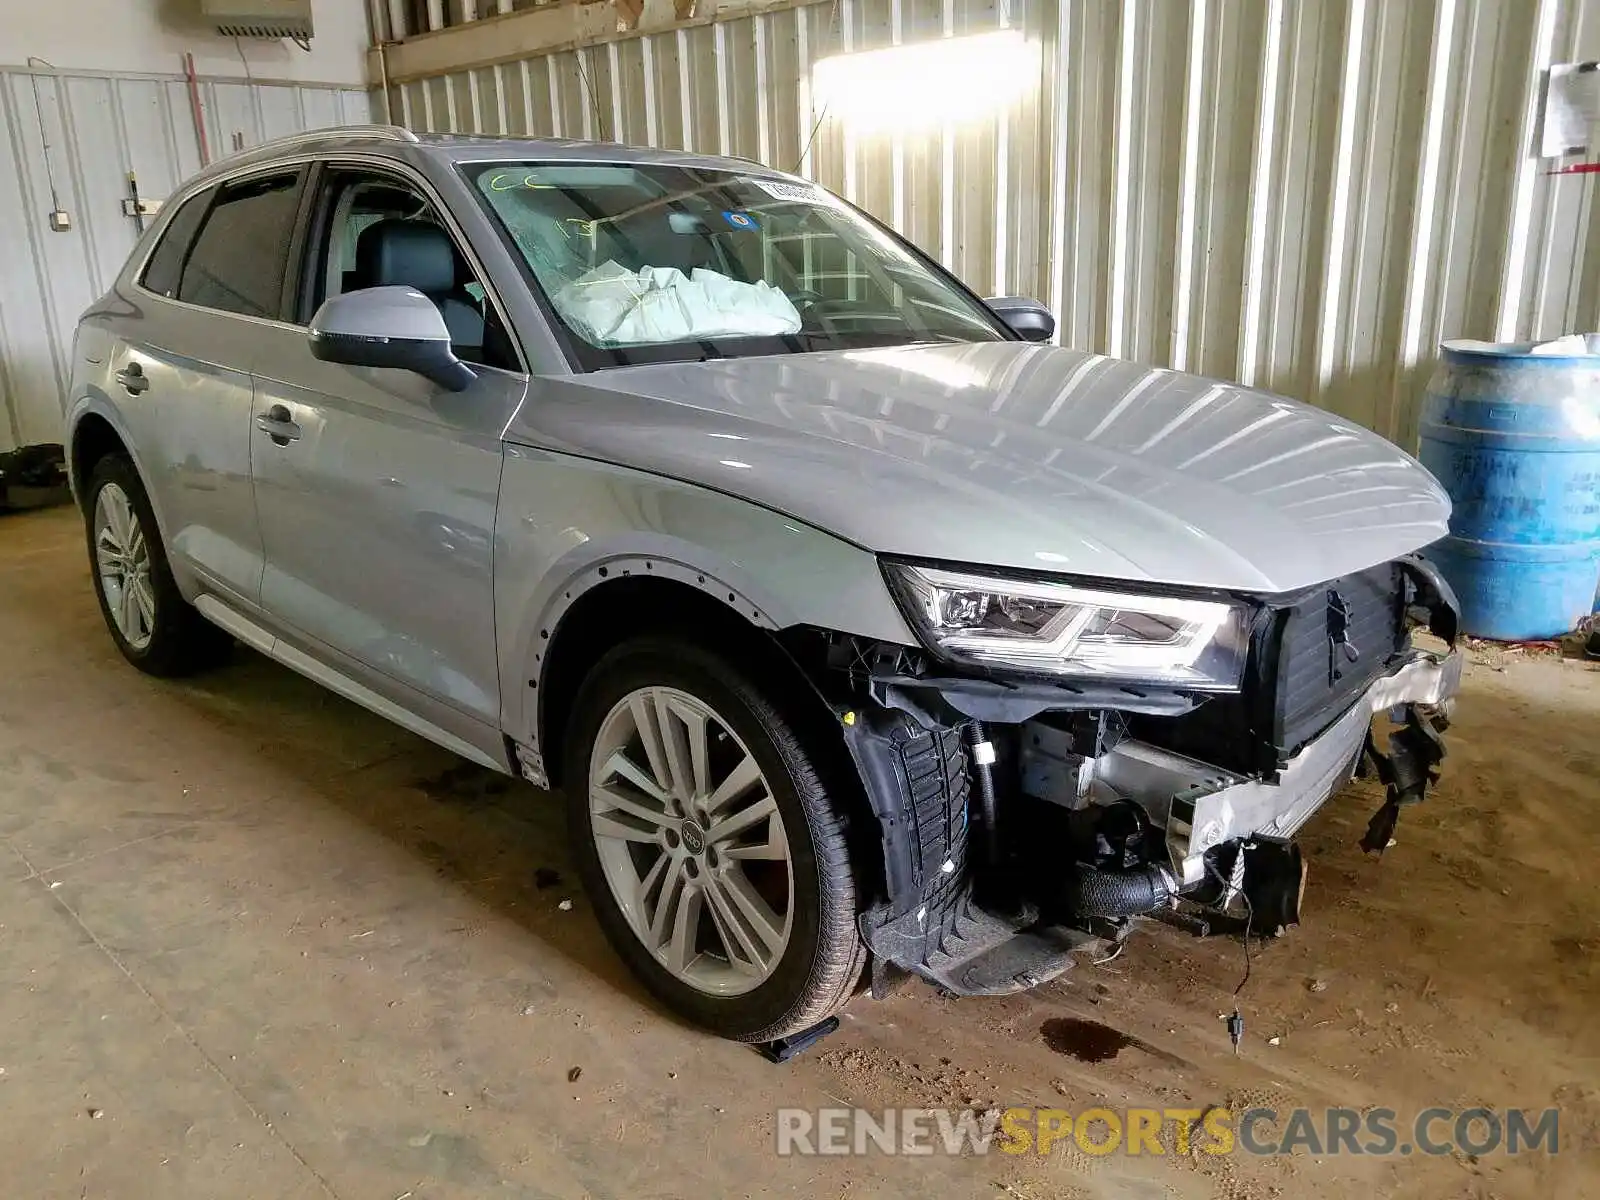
[165, 265]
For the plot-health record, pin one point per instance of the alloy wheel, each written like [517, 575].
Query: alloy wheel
[690, 841]
[122, 556]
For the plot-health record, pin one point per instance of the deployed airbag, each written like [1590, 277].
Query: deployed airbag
[612, 305]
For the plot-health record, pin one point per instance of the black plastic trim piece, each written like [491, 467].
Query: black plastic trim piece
[917, 783]
[1406, 771]
[781, 1050]
[1435, 595]
[952, 698]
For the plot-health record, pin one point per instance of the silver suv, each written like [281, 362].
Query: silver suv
[857, 625]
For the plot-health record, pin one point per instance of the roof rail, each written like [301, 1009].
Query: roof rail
[377, 133]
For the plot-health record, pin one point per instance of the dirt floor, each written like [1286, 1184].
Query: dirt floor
[257, 943]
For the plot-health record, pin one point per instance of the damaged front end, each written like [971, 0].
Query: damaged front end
[1023, 818]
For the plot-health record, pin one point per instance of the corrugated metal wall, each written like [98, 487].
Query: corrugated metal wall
[100, 127]
[1302, 194]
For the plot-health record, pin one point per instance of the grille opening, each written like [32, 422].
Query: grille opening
[1298, 680]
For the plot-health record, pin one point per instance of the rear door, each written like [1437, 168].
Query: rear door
[182, 360]
[377, 509]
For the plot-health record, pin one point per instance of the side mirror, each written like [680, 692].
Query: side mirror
[1028, 319]
[388, 327]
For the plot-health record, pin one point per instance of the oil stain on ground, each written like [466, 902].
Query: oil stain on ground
[1095, 1041]
[1086, 1041]
[466, 785]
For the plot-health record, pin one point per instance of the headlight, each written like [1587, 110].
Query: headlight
[1067, 630]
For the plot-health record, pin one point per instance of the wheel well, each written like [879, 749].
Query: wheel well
[92, 440]
[630, 606]
[634, 605]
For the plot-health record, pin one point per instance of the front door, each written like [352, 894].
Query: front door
[376, 489]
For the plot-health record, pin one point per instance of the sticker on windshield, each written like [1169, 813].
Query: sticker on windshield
[803, 193]
[740, 220]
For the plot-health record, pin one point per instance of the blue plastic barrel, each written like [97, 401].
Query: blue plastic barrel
[1514, 438]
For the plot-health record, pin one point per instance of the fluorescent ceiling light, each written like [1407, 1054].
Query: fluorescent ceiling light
[927, 83]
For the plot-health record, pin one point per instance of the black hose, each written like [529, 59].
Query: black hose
[984, 771]
[1118, 893]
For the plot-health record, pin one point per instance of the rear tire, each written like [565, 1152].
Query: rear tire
[738, 952]
[154, 627]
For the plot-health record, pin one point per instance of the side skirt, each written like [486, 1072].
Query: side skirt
[264, 640]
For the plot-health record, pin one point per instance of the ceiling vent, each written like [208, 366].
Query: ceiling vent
[259, 18]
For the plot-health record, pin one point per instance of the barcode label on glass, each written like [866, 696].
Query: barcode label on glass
[801, 193]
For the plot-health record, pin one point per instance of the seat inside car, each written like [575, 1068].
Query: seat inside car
[397, 251]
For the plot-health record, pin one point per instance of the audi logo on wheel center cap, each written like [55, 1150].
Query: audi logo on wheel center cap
[694, 839]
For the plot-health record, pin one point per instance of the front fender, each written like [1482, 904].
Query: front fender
[567, 524]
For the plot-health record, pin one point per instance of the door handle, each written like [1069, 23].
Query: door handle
[279, 425]
[133, 379]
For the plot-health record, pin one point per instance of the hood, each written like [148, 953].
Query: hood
[1014, 455]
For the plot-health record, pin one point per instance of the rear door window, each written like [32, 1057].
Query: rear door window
[238, 262]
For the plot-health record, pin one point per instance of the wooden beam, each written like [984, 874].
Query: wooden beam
[552, 27]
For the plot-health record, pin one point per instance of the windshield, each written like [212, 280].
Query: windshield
[649, 262]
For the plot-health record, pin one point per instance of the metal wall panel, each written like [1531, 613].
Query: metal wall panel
[1302, 194]
[99, 127]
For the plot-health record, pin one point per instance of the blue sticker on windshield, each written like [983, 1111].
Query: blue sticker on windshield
[739, 220]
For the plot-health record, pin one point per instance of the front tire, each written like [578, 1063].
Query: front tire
[716, 862]
[153, 626]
